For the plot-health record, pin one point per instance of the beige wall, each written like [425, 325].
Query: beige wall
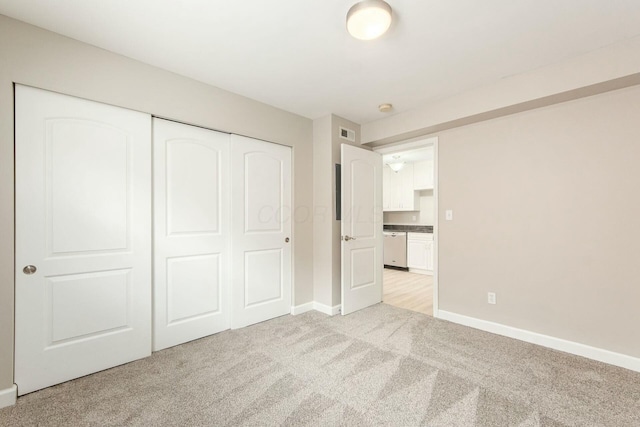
[612, 66]
[323, 217]
[326, 154]
[547, 215]
[43, 59]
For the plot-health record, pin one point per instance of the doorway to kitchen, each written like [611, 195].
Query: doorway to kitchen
[410, 225]
[412, 291]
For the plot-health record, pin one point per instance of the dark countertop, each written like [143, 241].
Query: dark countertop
[409, 228]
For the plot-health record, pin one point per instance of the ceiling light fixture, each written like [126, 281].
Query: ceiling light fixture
[385, 108]
[396, 166]
[369, 19]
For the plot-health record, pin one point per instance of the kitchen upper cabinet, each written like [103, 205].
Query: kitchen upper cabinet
[423, 175]
[398, 192]
[386, 188]
[420, 252]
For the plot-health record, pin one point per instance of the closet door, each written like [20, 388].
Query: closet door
[191, 187]
[261, 230]
[83, 237]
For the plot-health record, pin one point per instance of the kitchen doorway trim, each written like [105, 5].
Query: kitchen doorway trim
[414, 144]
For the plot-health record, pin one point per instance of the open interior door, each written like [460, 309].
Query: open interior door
[361, 214]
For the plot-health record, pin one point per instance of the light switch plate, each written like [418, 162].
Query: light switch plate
[448, 215]
[491, 297]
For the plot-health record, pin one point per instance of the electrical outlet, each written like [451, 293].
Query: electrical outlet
[491, 297]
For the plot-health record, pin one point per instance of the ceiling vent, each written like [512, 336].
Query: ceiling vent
[348, 134]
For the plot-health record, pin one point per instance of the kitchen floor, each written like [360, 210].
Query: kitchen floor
[408, 290]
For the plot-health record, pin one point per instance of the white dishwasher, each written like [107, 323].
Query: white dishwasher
[395, 248]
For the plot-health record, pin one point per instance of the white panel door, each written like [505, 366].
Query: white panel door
[261, 231]
[362, 237]
[83, 220]
[191, 229]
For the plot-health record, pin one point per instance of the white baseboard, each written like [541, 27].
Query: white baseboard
[601, 355]
[302, 308]
[331, 311]
[8, 396]
[421, 271]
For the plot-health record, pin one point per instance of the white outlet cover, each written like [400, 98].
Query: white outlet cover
[491, 297]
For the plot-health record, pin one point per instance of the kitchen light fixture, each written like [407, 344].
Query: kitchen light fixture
[369, 19]
[396, 165]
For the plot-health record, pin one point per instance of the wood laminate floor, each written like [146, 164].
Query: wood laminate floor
[408, 290]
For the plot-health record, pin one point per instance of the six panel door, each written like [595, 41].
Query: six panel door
[83, 237]
[191, 230]
[261, 231]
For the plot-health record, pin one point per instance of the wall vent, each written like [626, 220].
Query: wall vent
[348, 134]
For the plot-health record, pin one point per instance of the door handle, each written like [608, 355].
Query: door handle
[29, 269]
[347, 238]
[286, 240]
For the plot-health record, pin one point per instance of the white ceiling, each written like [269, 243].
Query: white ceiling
[297, 55]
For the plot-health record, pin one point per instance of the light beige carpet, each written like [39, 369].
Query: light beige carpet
[380, 366]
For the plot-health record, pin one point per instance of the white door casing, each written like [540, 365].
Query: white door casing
[83, 205]
[362, 238]
[191, 230]
[261, 238]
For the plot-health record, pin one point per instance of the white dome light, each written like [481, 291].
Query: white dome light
[396, 166]
[369, 19]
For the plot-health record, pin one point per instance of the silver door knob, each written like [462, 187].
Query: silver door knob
[347, 238]
[29, 269]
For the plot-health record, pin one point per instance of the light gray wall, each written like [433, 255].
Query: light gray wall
[39, 58]
[547, 215]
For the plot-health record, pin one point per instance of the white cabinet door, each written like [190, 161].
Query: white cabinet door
[386, 188]
[261, 237]
[83, 220]
[408, 199]
[420, 252]
[362, 261]
[395, 188]
[417, 254]
[429, 255]
[398, 192]
[423, 175]
[191, 230]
